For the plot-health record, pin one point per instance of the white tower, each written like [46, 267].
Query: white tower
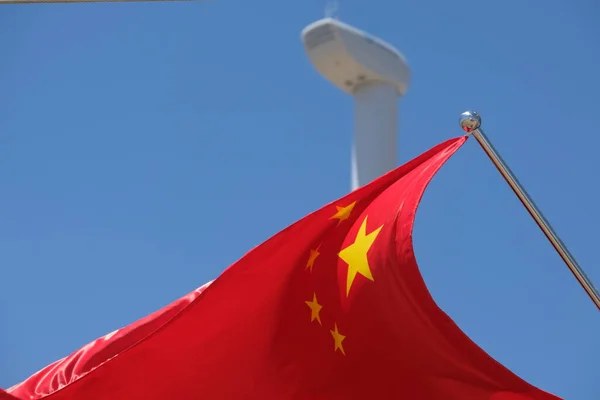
[376, 74]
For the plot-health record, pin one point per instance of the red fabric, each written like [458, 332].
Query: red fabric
[94, 354]
[6, 396]
[251, 334]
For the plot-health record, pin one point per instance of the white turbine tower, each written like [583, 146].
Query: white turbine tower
[376, 74]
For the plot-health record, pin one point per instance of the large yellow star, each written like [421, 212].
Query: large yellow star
[315, 309]
[343, 213]
[355, 255]
[338, 338]
[311, 259]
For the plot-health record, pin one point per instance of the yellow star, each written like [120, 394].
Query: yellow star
[355, 255]
[315, 308]
[338, 338]
[343, 213]
[311, 259]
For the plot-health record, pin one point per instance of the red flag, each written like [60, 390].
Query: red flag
[6, 396]
[332, 307]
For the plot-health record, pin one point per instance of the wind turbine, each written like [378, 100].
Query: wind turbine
[364, 66]
[376, 74]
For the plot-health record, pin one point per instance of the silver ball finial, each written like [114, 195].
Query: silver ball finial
[469, 121]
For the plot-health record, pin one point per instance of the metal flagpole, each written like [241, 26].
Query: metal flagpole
[470, 122]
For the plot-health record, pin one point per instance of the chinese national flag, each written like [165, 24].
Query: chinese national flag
[332, 307]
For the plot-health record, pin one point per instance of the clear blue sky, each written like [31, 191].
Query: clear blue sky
[145, 147]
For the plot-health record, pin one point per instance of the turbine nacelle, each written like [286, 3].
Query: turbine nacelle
[349, 57]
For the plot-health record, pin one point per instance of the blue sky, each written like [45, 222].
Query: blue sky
[145, 147]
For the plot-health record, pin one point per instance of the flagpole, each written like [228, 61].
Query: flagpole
[470, 122]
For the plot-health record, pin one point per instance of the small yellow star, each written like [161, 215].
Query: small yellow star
[338, 338]
[343, 213]
[311, 259]
[355, 255]
[315, 309]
